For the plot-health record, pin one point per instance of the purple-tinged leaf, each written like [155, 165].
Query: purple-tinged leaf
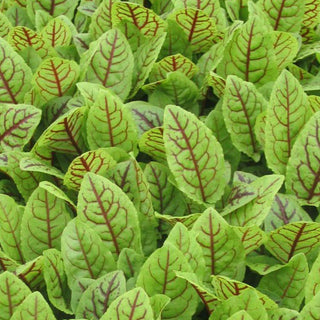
[285, 209]
[284, 15]
[163, 279]
[10, 227]
[293, 238]
[313, 282]
[18, 123]
[132, 305]
[98, 161]
[287, 113]
[83, 252]
[110, 63]
[226, 288]
[241, 177]
[42, 224]
[172, 63]
[56, 280]
[222, 249]
[6, 263]
[200, 30]
[109, 212]
[145, 115]
[249, 54]
[303, 170]
[15, 75]
[34, 307]
[286, 285]
[151, 143]
[198, 168]
[109, 123]
[64, 135]
[242, 104]
[12, 293]
[255, 211]
[97, 298]
[55, 77]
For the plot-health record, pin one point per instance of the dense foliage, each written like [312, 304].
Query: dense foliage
[159, 159]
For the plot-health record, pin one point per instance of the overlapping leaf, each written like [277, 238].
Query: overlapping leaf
[287, 113]
[313, 282]
[110, 63]
[6, 263]
[303, 169]
[207, 6]
[5, 25]
[109, 123]
[109, 212]
[15, 75]
[10, 227]
[311, 309]
[18, 124]
[198, 168]
[98, 161]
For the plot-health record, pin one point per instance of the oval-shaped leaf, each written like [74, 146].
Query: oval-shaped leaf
[313, 281]
[198, 167]
[311, 309]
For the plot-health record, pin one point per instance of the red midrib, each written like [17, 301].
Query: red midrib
[249, 52]
[279, 15]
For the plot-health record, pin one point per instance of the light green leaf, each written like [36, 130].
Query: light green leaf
[130, 262]
[313, 281]
[109, 124]
[222, 249]
[34, 307]
[283, 314]
[6, 263]
[263, 264]
[56, 280]
[83, 252]
[158, 302]
[314, 102]
[186, 242]
[132, 305]
[162, 279]
[303, 168]
[98, 161]
[286, 15]
[287, 113]
[242, 104]
[259, 128]
[10, 227]
[199, 169]
[312, 309]
[5, 26]
[42, 224]
[208, 6]
[110, 63]
[97, 298]
[161, 6]
[16, 76]
[12, 293]
[241, 315]
[285, 285]
[217, 83]
[255, 60]
[109, 212]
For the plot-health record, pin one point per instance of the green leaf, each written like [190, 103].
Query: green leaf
[161, 6]
[110, 63]
[64, 135]
[157, 275]
[250, 54]
[98, 297]
[109, 212]
[17, 126]
[208, 6]
[42, 224]
[313, 281]
[55, 77]
[197, 26]
[240, 315]
[132, 305]
[5, 26]
[222, 249]
[10, 227]
[247, 301]
[303, 169]
[186, 242]
[34, 307]
[287, 113]
[286, 15]
[15, 75]
[83, 252]
[130, 262]
[285, 209]
[158, 302]
[242, 104]
[109, 123]
[6, 263]
[198, 168]
[56, 280]
[285, 285]
[311, 310]
[12, 293]
[98, 161]
[172, 63]
[293, 238]
[314, 102]
[283, 314]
